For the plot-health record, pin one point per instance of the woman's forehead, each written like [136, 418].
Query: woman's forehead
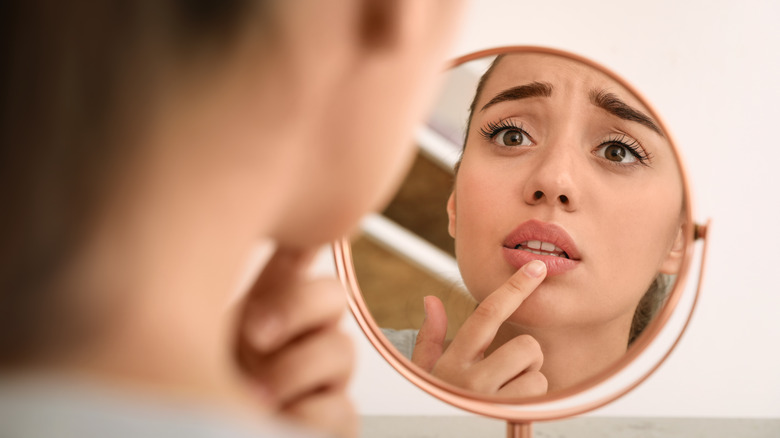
[570, 78]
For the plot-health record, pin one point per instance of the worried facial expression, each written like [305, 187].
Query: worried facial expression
[563, 164]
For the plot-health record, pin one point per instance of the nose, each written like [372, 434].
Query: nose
[553, 181]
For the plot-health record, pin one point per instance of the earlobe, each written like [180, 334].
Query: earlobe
[671, 265]
[451, 215]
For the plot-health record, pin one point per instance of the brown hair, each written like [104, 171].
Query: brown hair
[649, 305]
[477, 93]
[77, 79]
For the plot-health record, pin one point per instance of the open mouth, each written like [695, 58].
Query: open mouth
[542, 248]
[537, 240]
[542, 239]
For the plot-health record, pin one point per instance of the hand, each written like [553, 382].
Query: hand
[292, 349]
[512, 370]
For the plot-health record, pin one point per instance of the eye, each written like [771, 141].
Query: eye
[512, 137]
[505, 133]
[617, 153]
[623, 150]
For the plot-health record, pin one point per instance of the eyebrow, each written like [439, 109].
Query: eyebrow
[533, 89]
[601, 98]
[613, 105]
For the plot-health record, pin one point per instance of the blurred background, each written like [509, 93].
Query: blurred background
[711, 69]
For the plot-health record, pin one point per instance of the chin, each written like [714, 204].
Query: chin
[539, 317]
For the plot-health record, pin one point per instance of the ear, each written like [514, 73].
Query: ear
[451, 215]
[671, 265]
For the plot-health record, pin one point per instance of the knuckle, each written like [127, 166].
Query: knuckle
[344, 349]
[347, 352]
[488, 309]
[536, 381]
[478, 383]
[528, 344]
[330, 295]
[463, 377]
[341, 344]
[516, 284]
[421, 338]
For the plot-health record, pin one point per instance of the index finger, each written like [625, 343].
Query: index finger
[283, 270]
[264, 311]
[479, 329]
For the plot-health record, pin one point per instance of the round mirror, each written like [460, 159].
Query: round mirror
[530, 155]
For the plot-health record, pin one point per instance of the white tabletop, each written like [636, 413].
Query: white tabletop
[585, 427]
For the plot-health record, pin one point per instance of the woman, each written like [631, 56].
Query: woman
[566, 209]
[148, 147]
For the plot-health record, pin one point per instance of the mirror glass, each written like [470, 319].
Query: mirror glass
[532, 154]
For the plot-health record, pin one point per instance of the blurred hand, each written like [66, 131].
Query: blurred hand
[512, 370]
[292, 349]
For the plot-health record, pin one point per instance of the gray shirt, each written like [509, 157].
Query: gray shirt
[403, 340]
[46, 409]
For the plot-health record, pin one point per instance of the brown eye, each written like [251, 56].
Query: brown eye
[512, 137]
[615, 152]
[622, 150]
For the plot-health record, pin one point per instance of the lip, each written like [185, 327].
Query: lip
[537, 230]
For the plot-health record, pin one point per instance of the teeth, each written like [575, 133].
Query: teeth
[541, 248]
[538, 245]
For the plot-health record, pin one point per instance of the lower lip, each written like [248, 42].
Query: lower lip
[555, 265]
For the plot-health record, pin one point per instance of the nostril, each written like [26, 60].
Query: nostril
[564, 199]
[538, 195]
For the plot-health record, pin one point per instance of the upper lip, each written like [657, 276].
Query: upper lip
[544, 232]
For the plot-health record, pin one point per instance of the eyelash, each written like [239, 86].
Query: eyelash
[491, 129]
[631, 144]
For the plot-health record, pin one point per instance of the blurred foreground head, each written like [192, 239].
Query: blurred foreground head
[148, 143]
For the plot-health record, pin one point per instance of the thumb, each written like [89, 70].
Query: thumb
[430, 340]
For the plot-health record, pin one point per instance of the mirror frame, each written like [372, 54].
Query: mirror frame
[512, 409]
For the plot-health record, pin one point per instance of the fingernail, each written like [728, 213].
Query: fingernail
[265, 332]
[425, 306]
[534, 268]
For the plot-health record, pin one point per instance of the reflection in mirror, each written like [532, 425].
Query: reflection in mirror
[528, 156]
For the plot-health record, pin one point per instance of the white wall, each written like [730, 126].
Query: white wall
[712, 69]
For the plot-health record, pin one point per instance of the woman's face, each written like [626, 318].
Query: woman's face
[564, 165]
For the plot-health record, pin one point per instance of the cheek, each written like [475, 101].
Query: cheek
[354, 167]
[369, 132]
[485, 210]
[638, 229]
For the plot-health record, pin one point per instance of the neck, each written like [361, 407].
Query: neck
[159, 279]
[171, 332]
[573, 354]
[166, 254]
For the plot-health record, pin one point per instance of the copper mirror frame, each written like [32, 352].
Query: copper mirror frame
[520, 413]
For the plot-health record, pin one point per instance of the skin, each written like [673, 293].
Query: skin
[624, 219]
[290, 144]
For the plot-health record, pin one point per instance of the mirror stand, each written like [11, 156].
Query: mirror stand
[519, 430]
